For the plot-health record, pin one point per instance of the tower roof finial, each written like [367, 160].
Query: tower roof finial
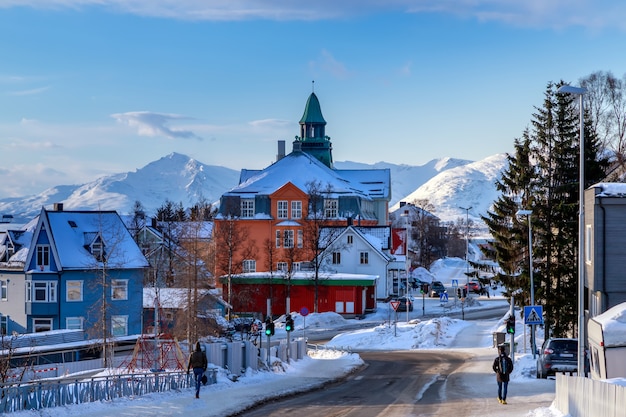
[313, 86]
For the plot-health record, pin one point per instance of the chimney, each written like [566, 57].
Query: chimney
[281, 150]
[58, 206]
[297, 146]
[402, 204]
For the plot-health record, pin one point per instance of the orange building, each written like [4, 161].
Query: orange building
[271, 220]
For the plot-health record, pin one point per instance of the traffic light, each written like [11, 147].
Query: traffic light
[269, 327]
[424, 289]
[510, 325]
[289, 323]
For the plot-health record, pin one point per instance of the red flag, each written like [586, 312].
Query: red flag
[398, 242]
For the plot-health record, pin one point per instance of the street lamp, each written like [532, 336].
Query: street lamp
[407, 262]
[467, 244]
[532, 282]
[580, 92]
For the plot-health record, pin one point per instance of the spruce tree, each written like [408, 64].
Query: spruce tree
[543, 176]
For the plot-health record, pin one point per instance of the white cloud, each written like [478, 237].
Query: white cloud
[327, 63]
[554, 13]
[155, 124]
[30, 92]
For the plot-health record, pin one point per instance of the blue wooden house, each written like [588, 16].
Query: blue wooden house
[84, 271]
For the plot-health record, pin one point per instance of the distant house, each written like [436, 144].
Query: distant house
[82, 270]
[175, 250]
[363, 250]
[605, 247]
[167, 307]
[14, 248]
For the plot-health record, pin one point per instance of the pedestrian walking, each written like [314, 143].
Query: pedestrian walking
[198, 362]
[502, 366]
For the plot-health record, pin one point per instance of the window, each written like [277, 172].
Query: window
[588, 244]
[300, 238]
[364, 258]
[281, 266]
[336, 258]
[4, 325]
[296, 266]
[97, 250]
[74, 323]
[42, 325]
[288, 241]
[74, 291]
[249, 265]
[119, 289]
[4, 290]
[296, 209]
[119, 325]
[330, 208]
[283, 209]
[278, 238]
[43, 257]
[247, 207]
[350, 239]
[41, 291]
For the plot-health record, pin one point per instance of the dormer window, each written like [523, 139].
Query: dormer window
[95, 245]
[97, 250]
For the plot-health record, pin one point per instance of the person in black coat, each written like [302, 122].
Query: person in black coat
[502, 366]
[198, 362]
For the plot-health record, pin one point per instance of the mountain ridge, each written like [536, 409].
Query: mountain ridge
[180, 178]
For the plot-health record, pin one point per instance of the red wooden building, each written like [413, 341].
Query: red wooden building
[347, 294]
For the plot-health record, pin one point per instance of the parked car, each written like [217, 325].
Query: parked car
[403, 303]
[557, 355]
[476, 287]
[437, 288]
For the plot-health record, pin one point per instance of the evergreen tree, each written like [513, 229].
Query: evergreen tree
[543, 176]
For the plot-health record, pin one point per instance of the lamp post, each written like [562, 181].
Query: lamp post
[580, 92]
[531, 267]
[467, 244]
[407, 263]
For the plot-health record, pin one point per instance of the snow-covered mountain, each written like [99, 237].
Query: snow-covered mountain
[447, 183]
[470, 186]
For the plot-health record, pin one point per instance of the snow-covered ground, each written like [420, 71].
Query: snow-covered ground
[228, 397]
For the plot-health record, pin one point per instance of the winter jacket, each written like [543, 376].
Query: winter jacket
[197, 360]
[503, 366]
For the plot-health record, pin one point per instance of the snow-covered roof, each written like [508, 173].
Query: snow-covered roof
[71, 231]
[610, 189]
[301, 168]
[613, 323]
[175, 298]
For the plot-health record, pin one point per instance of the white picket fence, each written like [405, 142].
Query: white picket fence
[586, 397]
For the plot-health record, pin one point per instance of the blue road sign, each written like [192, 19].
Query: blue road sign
[443, 297]
[533, 315]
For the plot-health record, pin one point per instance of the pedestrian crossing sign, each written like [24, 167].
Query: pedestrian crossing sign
[533, 315]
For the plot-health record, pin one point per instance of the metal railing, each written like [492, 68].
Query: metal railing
[47, 394]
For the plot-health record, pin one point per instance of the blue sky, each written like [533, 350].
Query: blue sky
[95, 87]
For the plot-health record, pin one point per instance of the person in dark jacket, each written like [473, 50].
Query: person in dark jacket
[502, 366]
[198, 362]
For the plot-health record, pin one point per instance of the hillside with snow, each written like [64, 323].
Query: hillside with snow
[468, 186]
[447, 183]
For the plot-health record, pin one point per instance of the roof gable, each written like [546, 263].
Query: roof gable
[71, 235]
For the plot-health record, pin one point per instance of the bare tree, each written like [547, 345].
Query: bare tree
[231, 247]
[318, 232]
